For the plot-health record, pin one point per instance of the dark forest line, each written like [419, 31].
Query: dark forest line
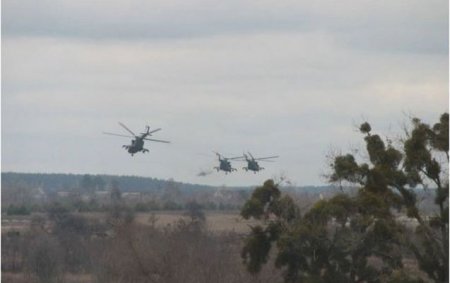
[57, 182]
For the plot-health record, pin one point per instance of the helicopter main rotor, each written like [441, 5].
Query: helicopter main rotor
[265, 159]
[137, 143]
[126, 128]
[221, 157]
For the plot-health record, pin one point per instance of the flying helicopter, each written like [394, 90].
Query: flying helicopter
[225, 164]
[252, 163]
[137, 142]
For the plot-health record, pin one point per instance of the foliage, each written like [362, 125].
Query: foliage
[18, 210]
[53, 182]
[357, 238]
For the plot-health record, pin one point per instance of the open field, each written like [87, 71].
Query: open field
[222, 221]
[215, 221]
[133, 252]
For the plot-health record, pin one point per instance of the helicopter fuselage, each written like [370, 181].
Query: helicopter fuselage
[252, 165]
[137, 145]
[225, 166]
[137, 142]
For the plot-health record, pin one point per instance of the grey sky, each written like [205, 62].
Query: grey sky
[273, 77]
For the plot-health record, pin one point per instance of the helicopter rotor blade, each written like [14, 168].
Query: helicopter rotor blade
[250, 155]
[269, 157]
[119, 135]
[235, 158]
[128, 130]
[157, 140]
[151, 132]
[227, 158]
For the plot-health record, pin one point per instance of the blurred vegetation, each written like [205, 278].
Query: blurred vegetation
[18, 210]
[356, 237]
[63, 245]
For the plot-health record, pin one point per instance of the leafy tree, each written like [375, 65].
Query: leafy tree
[356, 238]
[422, 167]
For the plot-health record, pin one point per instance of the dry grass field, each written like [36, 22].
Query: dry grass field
[171, 252]
[216, 221]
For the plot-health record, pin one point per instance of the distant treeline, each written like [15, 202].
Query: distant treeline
[54, 182]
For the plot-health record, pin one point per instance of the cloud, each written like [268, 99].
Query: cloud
[280, 73]
[276, 78]
[399, 26]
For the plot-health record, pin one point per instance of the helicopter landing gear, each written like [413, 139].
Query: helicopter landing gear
[144, 150]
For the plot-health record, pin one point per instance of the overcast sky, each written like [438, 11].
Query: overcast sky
[288, 78]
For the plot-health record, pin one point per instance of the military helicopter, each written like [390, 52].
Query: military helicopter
[225, 164]
[137, 144]
[252, 163]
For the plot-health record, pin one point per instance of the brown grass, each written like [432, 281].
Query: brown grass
[216, 221]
